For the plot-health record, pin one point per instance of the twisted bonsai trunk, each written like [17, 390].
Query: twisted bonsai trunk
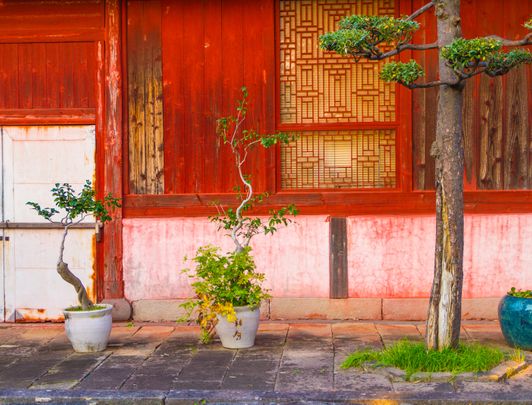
[69, 277]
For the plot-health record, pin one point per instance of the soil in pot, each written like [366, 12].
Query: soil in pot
[89, 331]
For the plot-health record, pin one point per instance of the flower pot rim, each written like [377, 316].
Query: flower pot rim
[519, 298]
[108, 307]
[242, 308]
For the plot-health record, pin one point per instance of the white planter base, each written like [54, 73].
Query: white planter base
[240, 334]
[89, 331]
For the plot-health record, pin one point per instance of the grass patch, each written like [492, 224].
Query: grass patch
[92, 308]
[413, 357]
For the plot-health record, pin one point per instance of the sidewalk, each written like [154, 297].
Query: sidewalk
[291, 363]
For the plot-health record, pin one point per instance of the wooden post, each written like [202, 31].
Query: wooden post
[338, 258]
[113, 282]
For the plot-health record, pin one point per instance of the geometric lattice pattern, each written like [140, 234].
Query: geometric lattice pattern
[322, 87]
[340, 159]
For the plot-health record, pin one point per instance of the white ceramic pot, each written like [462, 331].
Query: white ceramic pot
[89, 331]
[240, 334]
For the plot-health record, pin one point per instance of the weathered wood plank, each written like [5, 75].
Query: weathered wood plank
[113, 278]
[468, 120]
[174, 97]
[338, 273]
[516, 153]
[490, 171]
[145, 98]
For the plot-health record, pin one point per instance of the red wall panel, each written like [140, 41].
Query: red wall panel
[210, 50]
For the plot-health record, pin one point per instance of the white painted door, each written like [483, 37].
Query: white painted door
[33, 160]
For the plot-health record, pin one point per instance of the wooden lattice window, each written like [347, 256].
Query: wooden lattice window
[330, 102]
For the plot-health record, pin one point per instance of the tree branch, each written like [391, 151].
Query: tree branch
[435, 83]
[527, 40]
[417, 13]
[401, 48]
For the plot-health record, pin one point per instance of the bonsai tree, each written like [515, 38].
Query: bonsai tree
[459, 60]
[225, 281]
[73, 209]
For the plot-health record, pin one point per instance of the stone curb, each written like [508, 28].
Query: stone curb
[182, 397]
[499, 373]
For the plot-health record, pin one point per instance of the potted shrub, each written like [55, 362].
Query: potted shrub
[87, 325]
[515, 318]
[228, 287]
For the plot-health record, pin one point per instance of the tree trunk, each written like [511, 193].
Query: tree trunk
[69, 277]
[443, 323]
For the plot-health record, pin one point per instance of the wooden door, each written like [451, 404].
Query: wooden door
[34, 158]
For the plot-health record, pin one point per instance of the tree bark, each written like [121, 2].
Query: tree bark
[69, 277]
[443, 322]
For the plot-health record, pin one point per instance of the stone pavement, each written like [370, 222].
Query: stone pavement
[291, 363]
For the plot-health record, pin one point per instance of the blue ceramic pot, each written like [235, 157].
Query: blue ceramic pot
[515, 318]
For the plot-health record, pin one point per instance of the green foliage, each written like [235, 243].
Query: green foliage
[76, 207]
[360, 35]
[241, 141]
[520, 293]
[223, 281]
[230, 131]
[500, 62]
[402, 73]
[414, 357]
[528, 24]
[79, 308]
[464, 54]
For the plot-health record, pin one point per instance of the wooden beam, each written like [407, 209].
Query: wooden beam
[330, 203]
[338, 274]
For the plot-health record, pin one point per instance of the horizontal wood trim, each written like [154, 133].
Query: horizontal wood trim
[49, 35]
[47, 116]
[338, 126]
[329, 203]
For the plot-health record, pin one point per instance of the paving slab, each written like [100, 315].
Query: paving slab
[290, 363]
[111, 374]
[391, 333]
[70, 371]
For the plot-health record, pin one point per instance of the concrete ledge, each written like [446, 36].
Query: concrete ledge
[480, 308]
[170, 310]
[121, 309]
[158, 310]
[325, 308]
[405, 309]
[390, 309]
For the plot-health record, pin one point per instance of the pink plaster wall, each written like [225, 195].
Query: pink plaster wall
[388, 256]
[392, 256]
[295, 259]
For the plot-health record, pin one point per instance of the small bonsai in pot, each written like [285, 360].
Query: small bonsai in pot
[228, 287]
[88, 325]
[515, 318]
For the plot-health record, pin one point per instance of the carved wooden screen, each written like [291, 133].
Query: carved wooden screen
[335, 98]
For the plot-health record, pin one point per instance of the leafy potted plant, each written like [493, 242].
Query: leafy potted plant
[228, 287]
[515, 318]
[88, 325]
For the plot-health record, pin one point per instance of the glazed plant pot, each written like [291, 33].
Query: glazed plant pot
[241, 333]
[89, 331]
[515, 318]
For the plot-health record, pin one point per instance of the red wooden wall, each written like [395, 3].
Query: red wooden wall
[497, 118]
[209, 49]
[48, 60]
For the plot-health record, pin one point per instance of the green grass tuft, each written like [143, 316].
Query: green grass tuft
[92, 308]
[413, 357]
